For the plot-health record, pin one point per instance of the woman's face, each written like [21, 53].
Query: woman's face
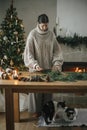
[43, 26]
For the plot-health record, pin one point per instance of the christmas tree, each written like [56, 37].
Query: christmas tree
[12, 40]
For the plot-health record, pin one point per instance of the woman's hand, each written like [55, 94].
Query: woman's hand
[38, 68]
[56, 68]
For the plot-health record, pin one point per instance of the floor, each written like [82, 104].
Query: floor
[72, 99]
[32, 124]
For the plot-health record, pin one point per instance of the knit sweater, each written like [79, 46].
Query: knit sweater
[42, 49]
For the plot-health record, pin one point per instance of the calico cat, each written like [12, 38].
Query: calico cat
[65, 113]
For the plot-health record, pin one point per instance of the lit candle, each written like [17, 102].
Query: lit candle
[15, 74]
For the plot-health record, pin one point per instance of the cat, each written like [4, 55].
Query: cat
[53, 111]
[48, 111]
[65, 113]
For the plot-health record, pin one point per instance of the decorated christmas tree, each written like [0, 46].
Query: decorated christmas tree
[12, 40]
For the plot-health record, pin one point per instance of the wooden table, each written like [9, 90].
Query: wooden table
[15, 86]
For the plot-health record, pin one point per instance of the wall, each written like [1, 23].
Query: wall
[72, 18]
[28, 11]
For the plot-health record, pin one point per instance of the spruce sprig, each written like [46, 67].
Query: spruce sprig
[67, 76]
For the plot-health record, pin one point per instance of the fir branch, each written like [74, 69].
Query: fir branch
[68, 76]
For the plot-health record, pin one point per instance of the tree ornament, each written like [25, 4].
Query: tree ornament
[5, 57]
[22, 25]
[1, 32]
[2, 62]
[11, 16]
[16, 22]
[12, 43]
[5, 38]
[17, 39]
[10, 25]
[16, 33]
[18, 50]
[11, 62]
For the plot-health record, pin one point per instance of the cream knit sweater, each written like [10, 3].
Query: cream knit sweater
[42, 49]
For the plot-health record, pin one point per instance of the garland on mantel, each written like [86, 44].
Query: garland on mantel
[73, 41]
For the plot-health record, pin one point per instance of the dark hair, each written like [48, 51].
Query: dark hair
[43, 18]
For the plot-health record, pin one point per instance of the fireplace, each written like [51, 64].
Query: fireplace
[75, 66]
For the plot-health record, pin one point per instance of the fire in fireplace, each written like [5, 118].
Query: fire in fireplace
[75, 67]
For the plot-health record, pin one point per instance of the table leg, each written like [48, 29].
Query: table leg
[9, 109]
[16, 108]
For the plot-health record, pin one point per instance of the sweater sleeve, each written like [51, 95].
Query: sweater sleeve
[57, 54]
[29, 54]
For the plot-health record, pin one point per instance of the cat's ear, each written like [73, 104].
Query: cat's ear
[61, 104]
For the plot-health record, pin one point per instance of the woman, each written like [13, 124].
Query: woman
[42, 51]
